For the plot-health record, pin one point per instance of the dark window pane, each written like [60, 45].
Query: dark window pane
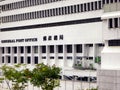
[116, 22]
[15, 59]
[2, 59]
[28, 60]
[8, 59]
[88, 4]
[81, 7]
[85, 9]
[79, 48]
[28, 49]
[110, 23]
[69, 48]
[21, 59]
[51, 49]
[92, 6]
[60, 48]
[9, 49]
[43, 49]
[114, 42]
[60, 57]
[3, 50]
[96, 5]
[22, 49]
[107, 1]
[15, 49]
[111, 1]
[36, 60]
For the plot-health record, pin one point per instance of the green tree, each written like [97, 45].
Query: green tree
[46, 77]
[17, 75]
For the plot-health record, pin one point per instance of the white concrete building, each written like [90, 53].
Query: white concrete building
[108, 76]
[61, 32]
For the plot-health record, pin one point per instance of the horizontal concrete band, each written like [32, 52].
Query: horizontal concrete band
[81, 21]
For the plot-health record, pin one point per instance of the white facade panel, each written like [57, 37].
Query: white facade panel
[79, 34]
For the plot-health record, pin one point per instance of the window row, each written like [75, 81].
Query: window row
[114, 23]
[28, 59]
[110, 1]
[43, 49]
[22, 60]
[90, 6]
[114, 42]
[25, 3]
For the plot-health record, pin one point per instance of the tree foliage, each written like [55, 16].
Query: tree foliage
[44, 76]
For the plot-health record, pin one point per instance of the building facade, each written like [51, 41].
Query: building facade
[67, 33]
[108, 75]
[61, 32]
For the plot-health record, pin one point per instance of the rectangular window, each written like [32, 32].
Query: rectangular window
[3, 50]
[21, 59]
[85, 9]
[9, 49]
[60, 57]
[81, 7]
[35, 49]
[103, 1]
[43, 49]
[2, 59]
[52, 49]
[51, 12]
[15, 59]
[68, 8]
[69, 58]
[107, 1]
[28, 60]
[63, 10]
[79, 48]
[111, 1]
[8, 59]
[36, 60]
[114, 42]
[15, 49]
[51, 57]
[72, 9]
[96, 5]
[88, 5]
[43, 57]
[56, 10]
[46, 13]
[78, 8]
[60, 48]
[28, 49]
[116, 1]
[75, 9]
[21, 49]
[92, 6]
[99, 4]
[69, 48]
[110, 22]
[116, 22]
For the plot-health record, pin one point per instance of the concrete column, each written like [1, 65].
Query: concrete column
[25, 55]
[18, 54]
[56, 54]
[39, 54]
[12, 54]
[84, 54]
[32, 55]
[0, 55]
[47, 54]
[74, 56]
[64, 55]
